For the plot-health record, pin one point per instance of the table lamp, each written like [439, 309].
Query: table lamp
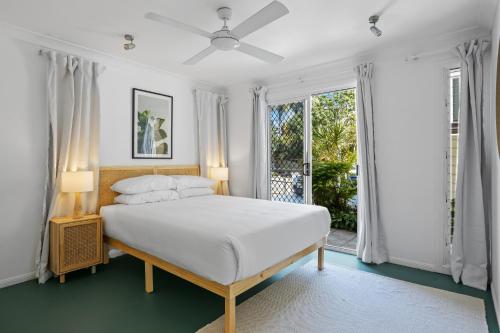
[77, 182]
[221, 175]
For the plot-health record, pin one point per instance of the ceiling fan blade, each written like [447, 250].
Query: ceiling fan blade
[259, 53]
[266, 15]
[206, 52]
[177, 24]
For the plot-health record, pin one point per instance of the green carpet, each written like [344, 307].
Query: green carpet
[113, 300]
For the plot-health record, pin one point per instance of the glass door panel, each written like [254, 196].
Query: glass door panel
[286, 129]
[334, 161]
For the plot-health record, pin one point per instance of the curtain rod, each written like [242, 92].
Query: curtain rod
[43, 51]
[47, 50]
[208, 90]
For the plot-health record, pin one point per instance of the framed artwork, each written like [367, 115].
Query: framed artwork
[151, 124]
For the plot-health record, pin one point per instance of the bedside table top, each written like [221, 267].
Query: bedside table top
[68, 219]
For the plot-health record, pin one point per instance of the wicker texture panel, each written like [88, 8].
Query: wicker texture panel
[80, 244]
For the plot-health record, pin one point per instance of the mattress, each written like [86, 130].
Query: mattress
[222, 238]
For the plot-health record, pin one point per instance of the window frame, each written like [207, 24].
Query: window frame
[445, 226]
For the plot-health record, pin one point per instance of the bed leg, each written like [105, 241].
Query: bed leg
[321, 258]
[148, 276]
[105, 254]
[230, 315]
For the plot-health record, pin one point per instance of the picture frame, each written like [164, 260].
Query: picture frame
[152, 125]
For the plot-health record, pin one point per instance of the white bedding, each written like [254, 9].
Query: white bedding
[224, 239]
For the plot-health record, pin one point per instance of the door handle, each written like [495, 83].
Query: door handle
[307, 169]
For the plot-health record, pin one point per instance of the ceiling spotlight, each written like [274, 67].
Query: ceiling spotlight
[373, 20]
[130, 45]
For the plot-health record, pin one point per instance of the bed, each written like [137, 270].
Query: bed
[229, 244]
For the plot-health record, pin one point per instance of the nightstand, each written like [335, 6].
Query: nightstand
[75, 243]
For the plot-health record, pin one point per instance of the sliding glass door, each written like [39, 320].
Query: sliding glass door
[313, 152]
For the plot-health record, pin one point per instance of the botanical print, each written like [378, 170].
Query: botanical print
[152, 139]
[152, 125]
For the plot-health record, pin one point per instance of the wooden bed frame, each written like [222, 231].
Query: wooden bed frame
[109, 175]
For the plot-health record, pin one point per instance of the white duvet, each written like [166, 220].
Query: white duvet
[224, 239]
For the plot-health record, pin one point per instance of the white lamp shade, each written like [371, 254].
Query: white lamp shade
[78, 181]
[220, 173]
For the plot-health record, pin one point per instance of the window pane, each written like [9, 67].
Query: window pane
[453, 144]
[456, 100]
[286, 125]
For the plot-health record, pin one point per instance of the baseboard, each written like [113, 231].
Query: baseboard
[495, 300]
[16, 279]
[419, 265]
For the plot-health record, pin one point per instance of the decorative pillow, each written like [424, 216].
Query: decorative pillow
[184, 182]
[195, 192]
[140, 198]
[144, 184]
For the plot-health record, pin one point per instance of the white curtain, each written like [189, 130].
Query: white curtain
[261, 187]
[212, 132]
[371, 240]
[469, 259]
[73, 144]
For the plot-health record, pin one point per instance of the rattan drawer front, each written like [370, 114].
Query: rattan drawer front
[80, 245]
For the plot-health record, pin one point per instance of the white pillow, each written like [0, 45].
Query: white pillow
[140, 198]
[195, 192]
[143, 184]
[184, 182]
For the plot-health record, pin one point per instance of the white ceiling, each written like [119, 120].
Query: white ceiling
[315, 31]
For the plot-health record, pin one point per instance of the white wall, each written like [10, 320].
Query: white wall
[116, 128]
[410, 139]
[23, 134]
[410, 145]
[495, 170]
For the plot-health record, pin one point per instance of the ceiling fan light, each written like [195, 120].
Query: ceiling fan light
[225, 43]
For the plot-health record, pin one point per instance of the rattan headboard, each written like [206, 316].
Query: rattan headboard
[108, 175]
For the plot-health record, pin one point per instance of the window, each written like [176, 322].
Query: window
[452, 154]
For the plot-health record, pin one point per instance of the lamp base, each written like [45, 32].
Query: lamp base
[77, 209]
[220, 188]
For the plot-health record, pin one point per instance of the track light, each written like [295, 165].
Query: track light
[373, 20]
[130, 45]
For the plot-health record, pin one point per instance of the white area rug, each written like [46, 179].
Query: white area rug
[344, 300]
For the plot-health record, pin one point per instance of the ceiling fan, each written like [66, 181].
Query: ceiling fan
[227, 39]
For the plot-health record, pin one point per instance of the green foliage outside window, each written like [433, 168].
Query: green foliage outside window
[287, 137]
[334, 156]
[334, 127]
[334, 189]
